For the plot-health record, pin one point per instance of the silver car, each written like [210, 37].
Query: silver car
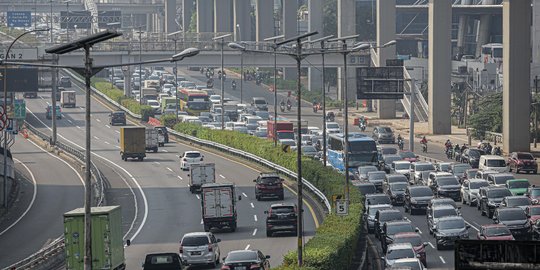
[200, 248]
[470, 189]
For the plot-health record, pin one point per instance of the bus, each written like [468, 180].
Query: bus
[492, 53]
[194, 101]
[362, 151]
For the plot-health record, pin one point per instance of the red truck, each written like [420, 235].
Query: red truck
[284, 130]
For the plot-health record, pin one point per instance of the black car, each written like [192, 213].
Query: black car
[162, 261]
[64, 81]
[491, 198]
[417, 198]
[516, 220]
[268, 185]
[388, 160]
[246, 259]
[395, 178]
[438, 212]
[447, 187]
[458, 169]
[383, 216]
[377, 178]
[449, 229]
[472, 156]
[281, 217]
[390, 229]
[396, 192]
[365, 187]
[30, 94]
[373, 199]
[163, 131]
[117, 118]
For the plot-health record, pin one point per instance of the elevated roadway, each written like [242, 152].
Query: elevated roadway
[456, 9]
[58, 6]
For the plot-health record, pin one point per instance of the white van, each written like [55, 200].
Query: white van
[493, 163]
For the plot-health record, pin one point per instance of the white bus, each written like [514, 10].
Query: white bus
[492, 53]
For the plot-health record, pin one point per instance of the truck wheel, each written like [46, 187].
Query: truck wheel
[155, 150]
[233, 227]
[206, 228]
[281, 196]
[268, 233]
[257, 197]
[141, 158]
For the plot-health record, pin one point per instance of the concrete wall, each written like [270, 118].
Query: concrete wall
[205, 16]
[386, 31]
[223, 16]
[347, 26]
[170, 16]
[187, 11]
[264, 26]
[242, 20]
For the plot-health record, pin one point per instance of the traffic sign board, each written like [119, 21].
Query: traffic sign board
[19, 18]
[342, 207]
[20, 109]
[20, 54]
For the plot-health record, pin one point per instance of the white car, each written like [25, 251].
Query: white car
[189, 158]
[154, 104]
[332, 127]
[289, 142]
[215, 99]
[470, 190]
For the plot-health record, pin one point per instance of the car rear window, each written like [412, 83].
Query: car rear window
[478, 185]
[437, 213]
[516, 214]
[161, 259]
[270, 180]
[242, 256]
[497, 231]
[525, 156]
[390, 215]
[421, 192]
[195, 241]
[397, 228]
[499, 193]
[282, 210]
[379, 199]
[415, 240]
[518, 184]
[496, 163]
[424, 167]
[193, 155]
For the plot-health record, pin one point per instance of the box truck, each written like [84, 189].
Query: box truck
[68, 99]
[132, 143]
[218, 204]
[200, 174]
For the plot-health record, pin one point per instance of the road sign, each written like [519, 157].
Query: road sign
[19, 18]
[20, 54]
[107, 18]
[19, 110]
[20, 80]
[342, 207]
[379, 83]
[75, 19]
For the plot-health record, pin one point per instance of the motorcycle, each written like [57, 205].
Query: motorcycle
[362, 126]
[282, 107]
[258, 81]
[449, 153]
[234, 86]
[400, 144]
[315, 108]
[424, 147]
[289, 106]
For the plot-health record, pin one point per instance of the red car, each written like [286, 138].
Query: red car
[522, 161]
[533, 192]
[533, 213]
[416, 241]
[494, 232]
[408, 156]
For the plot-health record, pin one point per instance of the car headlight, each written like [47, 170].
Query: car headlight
[490, 203]
[464, 235]
[414, 201]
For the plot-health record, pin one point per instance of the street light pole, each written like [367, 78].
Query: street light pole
[346, 121]
[222, 38]
[300, 202]
[176, 72]
[140, 66]
[67, 18]
[274, 47]
[51, 1]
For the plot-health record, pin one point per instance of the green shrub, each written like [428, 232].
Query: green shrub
[334, 243]
[168, 120]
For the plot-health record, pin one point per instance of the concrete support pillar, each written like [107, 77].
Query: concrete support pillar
[264, 21]
[535, 68]
[346, 24]
[290, 29]
[187, 13]
[462, 29]
[223, 16]
[242, 20]
[386, 31]
[440, 66]
[315, 23]
[516, 70]
[149, 23]
[170, 16]
[205, 16]
[483, 30]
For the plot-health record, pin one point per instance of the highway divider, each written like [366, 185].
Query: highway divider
[336, 240]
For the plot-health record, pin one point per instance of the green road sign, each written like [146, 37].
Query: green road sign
[19, 110]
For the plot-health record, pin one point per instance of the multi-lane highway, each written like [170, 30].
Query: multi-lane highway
[159, 206]
[45, 195]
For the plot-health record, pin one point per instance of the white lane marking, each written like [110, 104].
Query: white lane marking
[419, 231]
[31, 201]
[97, 119]
[117, 131]
[41, 97]
[442, 260]
[48, 103]
[169, 169]
[202, 222]
[96, 137]
[82, 109]
[156, 162]
[252, 206]
[247, 247]
[117, 146]
[431, 245]
[198, 197]
[254, 232]
[108, 126]
[245, 195]
[255, 217]
[145, 215]
[178, 156]
[180, 177]
[78, 127]
[107, 143]
[222, 176]
[70, 121]
[164, 151]
[472, 226]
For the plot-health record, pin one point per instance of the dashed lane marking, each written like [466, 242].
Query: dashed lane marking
[222, 176]
[442, 260]
[254, 232]
[198, 197]
[255, 217]
[169, 169]
[180, 177]
[247, 247]
[245, 195]
[252, 205]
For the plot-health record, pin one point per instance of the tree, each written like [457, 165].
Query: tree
[330, 18]
[489, 115]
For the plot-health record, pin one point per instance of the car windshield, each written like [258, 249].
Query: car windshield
[394, 254]
[407, 155]
[379, 199]
[447, 181]
[390, 215]
[397, 228]
[513, 214]
[444, 167]
[525, 156]
[533, 211]
[501, 180]
[437, 213]
[402, 166]
[424, 167]
[518, 184]
[518, 201]
[376, 175]
[398, 186]
[452, 224]
[478, 185]
[409, 265]
[195, 241]
[389, 151]
[535, 192]
[385, 130]
[496, 163]
[390, 159]
[193, 155]
[415, 240]
[499, 193]
[241, 256]
[332, 125]
[497, 231]
[421, 192]
[260, 101]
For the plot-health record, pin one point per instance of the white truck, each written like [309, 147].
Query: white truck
[200, 174]
[152, 141]
[68, 99]
[218, 205]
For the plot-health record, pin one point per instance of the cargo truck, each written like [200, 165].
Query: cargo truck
[132, 143]
[167, 102]
[152, 141]
[107, 242]
[200, 174]
[219, 206]
[284, 130]
[68, 99]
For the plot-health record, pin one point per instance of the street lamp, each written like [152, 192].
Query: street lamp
[222, 38]
[67, 19]
[175, 72]
[51, 1]
[5, 108]
[274, 47]
[323, 49]
[140, 65]
[241, 65]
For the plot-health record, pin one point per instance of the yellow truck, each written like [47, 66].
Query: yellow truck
[133, 143]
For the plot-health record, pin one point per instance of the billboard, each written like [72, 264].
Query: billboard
[379, 83]
[19, 18]
[19, 80]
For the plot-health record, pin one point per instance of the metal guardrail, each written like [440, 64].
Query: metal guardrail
[52, 255]
[223, 148]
